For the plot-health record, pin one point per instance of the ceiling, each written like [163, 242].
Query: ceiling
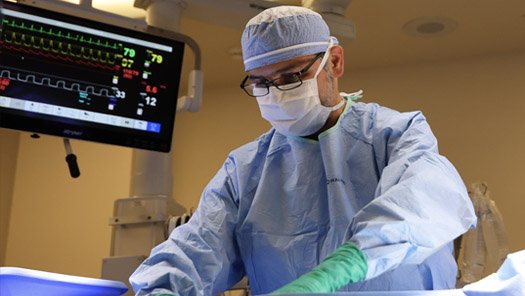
[482, 27]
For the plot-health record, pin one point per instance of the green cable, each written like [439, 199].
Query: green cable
[345, 265]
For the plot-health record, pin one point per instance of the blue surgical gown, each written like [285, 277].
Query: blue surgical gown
[279, 205]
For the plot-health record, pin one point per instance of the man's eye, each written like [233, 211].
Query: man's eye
[259, 82]
[287, 79]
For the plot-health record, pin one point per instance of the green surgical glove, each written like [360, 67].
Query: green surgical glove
[345, 265]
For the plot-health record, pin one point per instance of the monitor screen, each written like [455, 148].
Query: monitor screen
[75, 78]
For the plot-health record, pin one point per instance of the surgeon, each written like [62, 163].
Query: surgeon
[338, 196]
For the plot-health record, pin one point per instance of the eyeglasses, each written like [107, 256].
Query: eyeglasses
[260, 86]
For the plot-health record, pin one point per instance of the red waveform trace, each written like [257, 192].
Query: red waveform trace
[56, 57]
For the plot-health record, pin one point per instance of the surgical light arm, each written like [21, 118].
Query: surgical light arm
[193, 100]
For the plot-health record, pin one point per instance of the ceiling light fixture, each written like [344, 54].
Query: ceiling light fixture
[430, 26]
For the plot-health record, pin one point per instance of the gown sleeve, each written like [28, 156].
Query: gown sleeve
[420, 203]
[200, 257]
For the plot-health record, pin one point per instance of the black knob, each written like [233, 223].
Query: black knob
[71, 160]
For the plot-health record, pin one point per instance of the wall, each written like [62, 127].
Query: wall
[475, 107]
[8, 152]
[58, 223]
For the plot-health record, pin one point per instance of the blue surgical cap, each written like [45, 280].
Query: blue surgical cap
[282, 33]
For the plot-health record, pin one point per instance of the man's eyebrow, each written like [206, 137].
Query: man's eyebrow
[256, 77]
[286, 69]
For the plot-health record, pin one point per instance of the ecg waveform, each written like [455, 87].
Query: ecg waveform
[38, 79]
[58, 33]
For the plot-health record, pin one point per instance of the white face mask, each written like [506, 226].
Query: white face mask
[296, 112]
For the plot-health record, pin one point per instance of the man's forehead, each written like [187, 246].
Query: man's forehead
[279, 68]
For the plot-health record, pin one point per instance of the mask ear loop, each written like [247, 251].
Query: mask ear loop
[325, 58]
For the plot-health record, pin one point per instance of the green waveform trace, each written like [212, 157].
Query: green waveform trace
[77, 37]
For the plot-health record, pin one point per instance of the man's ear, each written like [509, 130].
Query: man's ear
[337, 59]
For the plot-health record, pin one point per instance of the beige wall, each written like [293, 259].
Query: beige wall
[475, 107]
[8, 151]
[58, 223]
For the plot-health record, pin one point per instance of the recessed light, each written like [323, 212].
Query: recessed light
[235, 53]
[430, 26]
